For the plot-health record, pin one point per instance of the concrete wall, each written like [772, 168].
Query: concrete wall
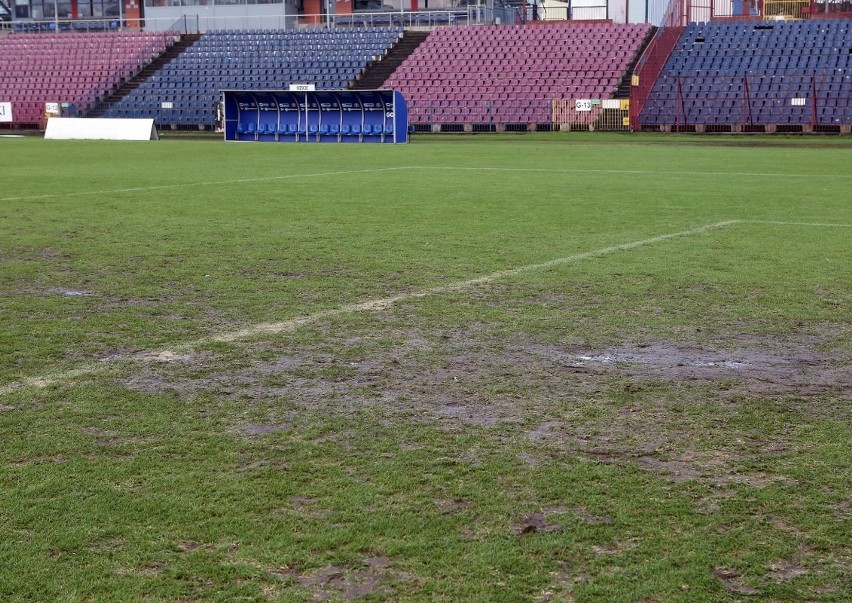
[229, 16]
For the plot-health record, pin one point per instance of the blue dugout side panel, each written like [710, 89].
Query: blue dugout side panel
[376, 116]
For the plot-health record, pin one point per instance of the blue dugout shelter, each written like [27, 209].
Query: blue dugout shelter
[377, 116]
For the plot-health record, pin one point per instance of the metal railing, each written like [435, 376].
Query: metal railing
[192, 23]
[470, 15]
[751, 103]
[754, 10]
[518, 114]
[653, 59]
[785, 9]
[184, 24]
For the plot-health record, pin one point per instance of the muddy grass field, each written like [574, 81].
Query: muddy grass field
[546, 368]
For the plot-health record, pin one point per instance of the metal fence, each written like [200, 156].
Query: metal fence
[194, 23]
[185, 24]
[713, 10]
[505, 115]
[194, 16]
[820, 102]
[519, 114]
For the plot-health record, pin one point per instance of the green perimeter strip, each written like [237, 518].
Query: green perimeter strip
[293, 324]
[179, 185]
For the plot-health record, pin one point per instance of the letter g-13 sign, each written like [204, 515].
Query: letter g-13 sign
[5, 112]
[583, 104]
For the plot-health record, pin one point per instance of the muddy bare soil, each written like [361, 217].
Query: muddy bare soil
[374, 576]
[444, 376]
[557, 399]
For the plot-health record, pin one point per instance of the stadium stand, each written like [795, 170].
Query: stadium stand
[764, 76]
[511, 74]
[184, 90]
[74, 68]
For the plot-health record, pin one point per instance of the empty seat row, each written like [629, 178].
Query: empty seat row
[459, 73]
[230, 60]
[76, 68]
[721, 71]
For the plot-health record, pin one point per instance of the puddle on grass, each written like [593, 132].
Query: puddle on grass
[666, 355]
[792, 369]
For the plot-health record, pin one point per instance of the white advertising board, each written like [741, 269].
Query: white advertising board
[5, 112]
[76, 128]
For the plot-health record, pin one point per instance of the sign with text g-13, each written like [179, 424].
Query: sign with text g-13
[583, 104]
[5, 112]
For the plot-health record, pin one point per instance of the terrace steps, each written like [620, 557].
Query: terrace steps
[623, 90]
[377, 72]
[175, 50]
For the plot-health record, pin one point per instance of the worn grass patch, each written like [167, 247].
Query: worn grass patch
[264, 389]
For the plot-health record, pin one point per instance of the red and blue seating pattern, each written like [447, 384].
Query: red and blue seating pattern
[720, 73]
[74, 68]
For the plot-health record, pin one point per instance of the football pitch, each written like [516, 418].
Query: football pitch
[548, 367]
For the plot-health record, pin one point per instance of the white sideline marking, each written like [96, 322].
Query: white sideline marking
[633, 172]
[379, 304]
[783, 223]
[160, 187]
[365, 306]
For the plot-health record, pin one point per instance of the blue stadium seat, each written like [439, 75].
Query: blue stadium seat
[267, 59]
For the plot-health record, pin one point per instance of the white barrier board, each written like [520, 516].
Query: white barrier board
[5, 112]
[78, 128]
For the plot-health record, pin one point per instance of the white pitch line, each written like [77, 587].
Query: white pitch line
[365, 306]
[630, 172]
[385, 302]
[160, 187]
[784, 223]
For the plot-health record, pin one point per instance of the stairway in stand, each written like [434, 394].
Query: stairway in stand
[623, 90]
[186, 40]
[378, 71]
